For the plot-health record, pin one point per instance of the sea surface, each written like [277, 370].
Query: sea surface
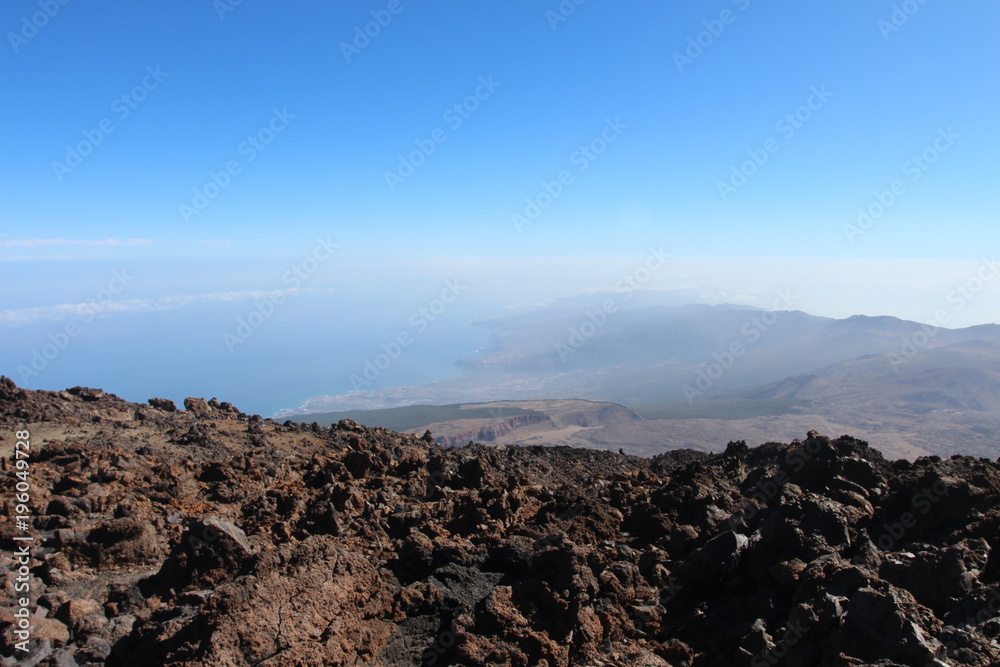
[310, 345]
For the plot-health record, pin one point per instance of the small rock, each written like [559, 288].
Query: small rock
[164, 404]
[96, 648]
[197, 405]
[86, 393]
[63, 658]
[74, 611]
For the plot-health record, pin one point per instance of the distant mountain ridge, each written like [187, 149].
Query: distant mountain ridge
[960, 376]
[913, 384]
[662, 353]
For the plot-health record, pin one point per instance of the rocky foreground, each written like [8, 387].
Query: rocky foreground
[205, 536]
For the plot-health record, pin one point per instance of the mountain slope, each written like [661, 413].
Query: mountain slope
[643, 354]
[956, 376]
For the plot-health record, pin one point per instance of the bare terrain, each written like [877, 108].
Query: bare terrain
[599, 425]
[205, 536]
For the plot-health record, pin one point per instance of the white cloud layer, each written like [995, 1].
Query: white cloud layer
[26, 316]
[41, 243]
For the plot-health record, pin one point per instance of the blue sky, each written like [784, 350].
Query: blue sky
[673, 99]
[686, 129]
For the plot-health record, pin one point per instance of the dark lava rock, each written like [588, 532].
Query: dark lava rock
[210, 537]
[164, 404]
[210, 551]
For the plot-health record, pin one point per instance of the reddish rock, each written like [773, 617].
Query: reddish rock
[209, 537]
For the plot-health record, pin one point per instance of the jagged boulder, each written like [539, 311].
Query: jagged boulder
[210, 551]
[164, 404]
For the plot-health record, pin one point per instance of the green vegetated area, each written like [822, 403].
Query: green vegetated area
[413, 416]
[715, 408]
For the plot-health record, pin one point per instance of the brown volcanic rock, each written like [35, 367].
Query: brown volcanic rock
[210, 551]
[310, 602]
[210, 537]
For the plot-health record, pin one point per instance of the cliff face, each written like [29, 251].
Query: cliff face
[209, 537]
[491, 431]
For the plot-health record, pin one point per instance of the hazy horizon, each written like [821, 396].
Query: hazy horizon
[321, 335]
